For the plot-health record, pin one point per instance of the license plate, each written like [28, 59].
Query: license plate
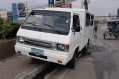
[37, 51]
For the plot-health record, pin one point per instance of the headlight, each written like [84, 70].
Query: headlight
[62, 47]
[21, 39]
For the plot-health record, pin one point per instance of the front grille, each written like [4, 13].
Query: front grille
[38, 43]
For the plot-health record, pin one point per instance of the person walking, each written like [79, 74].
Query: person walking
[95, 27]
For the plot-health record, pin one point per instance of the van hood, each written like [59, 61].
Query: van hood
[63, 39]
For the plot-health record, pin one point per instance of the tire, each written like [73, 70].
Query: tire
[85, 49]
[104, 36]
[71, 64]
[87, 46]
[88, 50]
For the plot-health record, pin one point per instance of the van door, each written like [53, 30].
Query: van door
[76, 31]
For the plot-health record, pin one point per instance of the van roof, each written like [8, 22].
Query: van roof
[65, 10]
[62, 9]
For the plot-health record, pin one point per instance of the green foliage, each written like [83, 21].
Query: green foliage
[11, 30]
[1, 21]
[8, 29]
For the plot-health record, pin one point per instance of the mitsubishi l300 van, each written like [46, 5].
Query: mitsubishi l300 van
[55, 34]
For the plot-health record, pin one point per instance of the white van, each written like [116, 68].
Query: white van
[55, 34]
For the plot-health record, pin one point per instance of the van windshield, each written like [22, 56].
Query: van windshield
[56, 22]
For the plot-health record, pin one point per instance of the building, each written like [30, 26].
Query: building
[3, 13]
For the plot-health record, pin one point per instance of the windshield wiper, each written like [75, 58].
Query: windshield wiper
[31, 23]
[53, 28]
[49, 26]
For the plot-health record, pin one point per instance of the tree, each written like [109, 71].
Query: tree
[8, 29]
[1, 21]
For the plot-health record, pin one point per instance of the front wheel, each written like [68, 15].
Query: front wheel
[71, 64]
[87, 50]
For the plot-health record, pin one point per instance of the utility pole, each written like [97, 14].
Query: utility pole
[86, 4]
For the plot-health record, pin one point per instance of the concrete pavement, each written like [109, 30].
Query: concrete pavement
[102, 64]
[19, 67]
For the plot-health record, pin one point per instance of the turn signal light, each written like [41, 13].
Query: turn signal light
[59, 61]
[66, 47]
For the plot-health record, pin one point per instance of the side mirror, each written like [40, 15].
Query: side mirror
[77, 28]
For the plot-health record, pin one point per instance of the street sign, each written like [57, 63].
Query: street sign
[22, 9]
[51, 3]
[14, 12]
[58, 3]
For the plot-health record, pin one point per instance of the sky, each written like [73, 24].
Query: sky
[97, 7]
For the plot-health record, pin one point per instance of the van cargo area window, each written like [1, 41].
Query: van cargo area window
[92, 20]
[56, 22]
[87, 20]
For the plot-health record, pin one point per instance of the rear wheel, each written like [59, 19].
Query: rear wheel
[86, 49]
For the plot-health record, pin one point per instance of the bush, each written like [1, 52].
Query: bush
[9, 30]
[1, 21]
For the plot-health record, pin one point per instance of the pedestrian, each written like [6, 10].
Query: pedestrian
[95, 27]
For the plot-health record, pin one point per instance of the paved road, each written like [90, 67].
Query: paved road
[102, 64]
[19, 66]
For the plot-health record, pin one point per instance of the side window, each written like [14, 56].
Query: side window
[76, 22]
[87, 20]
[92, 20]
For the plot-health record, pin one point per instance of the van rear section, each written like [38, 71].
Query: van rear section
[54, 35]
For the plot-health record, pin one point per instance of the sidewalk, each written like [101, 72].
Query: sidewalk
[7, 48]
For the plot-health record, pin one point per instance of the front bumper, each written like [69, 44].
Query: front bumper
[52, 55]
